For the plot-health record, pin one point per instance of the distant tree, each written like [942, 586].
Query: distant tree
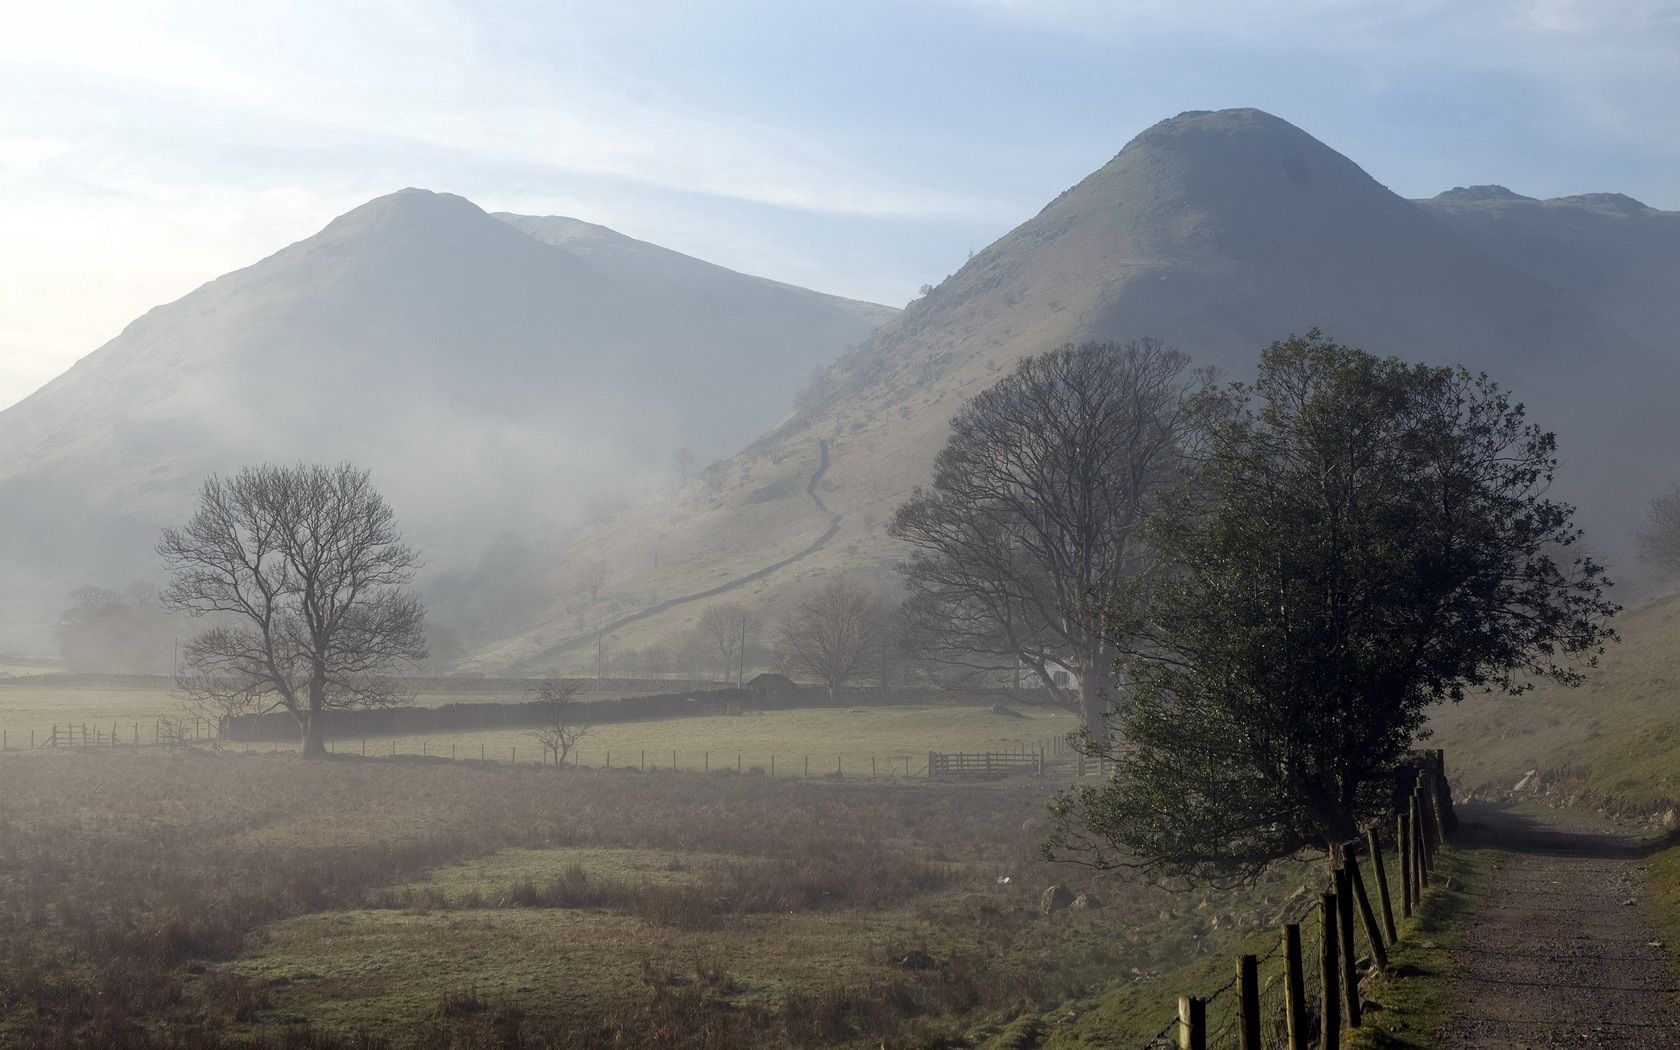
[1364, 538]
[592, 574]
[657, 657]
[306, 574]
[561, 723]
[725, 627]
[115, 631]
[1659, 541]
[834, 633]
[684, 463]
[1033, 528]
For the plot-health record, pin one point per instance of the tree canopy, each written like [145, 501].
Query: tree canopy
[834, 633]
[304, 574]
[1362, 538]
[1033, 527]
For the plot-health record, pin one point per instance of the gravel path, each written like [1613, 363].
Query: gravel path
[1562, 949]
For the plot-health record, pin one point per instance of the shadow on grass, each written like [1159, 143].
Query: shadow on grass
[1409, 1003]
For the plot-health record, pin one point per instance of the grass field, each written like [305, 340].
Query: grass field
[1612, 743]
[865, 741]
[153, 897]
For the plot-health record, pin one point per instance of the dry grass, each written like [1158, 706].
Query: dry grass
[151, 899]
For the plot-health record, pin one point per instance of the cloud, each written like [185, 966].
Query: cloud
[414, 74]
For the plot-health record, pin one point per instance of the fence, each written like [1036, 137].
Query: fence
[984, 765]
[87, 735]
[1313, 988]
[1034, 755]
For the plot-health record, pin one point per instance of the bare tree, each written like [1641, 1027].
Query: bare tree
[305, 572]
[1659, 540]
[834, 633]
[725, 627]
[593, 575]
[561, 725]
[1033, 530]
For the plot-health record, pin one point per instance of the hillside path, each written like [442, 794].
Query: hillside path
[738, 582]
[1562, 948]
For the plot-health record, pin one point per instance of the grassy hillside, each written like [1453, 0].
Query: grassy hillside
[1218, 232]
[1612, 743]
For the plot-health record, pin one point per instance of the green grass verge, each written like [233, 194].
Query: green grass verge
[1663, 875]
[1412, 999]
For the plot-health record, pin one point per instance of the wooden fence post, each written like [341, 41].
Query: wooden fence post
[1403, 842]
[1420, 848]
[1248, 1002]
[1192, 1023]
[1344, 930]
[1294, 996]
[1330, 980]
[1380, 875]
[1373, 933]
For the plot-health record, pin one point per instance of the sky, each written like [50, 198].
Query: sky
[862, 148]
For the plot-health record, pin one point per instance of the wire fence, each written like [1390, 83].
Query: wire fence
[1026, 756]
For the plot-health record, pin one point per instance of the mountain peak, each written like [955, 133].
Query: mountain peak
[1491, 192]
[412, 209]
[1617, 202]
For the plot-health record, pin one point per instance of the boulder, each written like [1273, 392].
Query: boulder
[917, 961]
[1086, 902]
[1529, 782]
[1055, 898]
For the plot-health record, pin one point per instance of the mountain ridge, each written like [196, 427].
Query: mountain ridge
[1218, 231]
[491, 381]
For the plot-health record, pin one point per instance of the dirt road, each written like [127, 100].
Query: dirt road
[1562, 949]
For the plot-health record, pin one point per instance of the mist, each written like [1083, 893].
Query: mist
[976, 525]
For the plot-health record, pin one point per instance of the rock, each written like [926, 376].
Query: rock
[1529, 782]
[1055, 898]
[1086, 902]
[918, 961]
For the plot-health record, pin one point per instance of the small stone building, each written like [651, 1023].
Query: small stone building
[773, 690]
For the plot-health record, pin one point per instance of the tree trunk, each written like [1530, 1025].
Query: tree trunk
[1096, 693]
[314, 727]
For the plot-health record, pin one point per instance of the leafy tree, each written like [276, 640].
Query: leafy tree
[1659, 540]
[834, 633]
[1364, 538]
[305, 572]
[1033, 526]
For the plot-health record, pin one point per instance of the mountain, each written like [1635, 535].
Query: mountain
[1606, 251]
[1217, 231]
[496, 373]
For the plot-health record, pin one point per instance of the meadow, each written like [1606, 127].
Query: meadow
[164, 897]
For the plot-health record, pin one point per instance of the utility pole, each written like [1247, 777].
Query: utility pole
[741, 675]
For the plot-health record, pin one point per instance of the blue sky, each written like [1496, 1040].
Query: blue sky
[861, 148]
